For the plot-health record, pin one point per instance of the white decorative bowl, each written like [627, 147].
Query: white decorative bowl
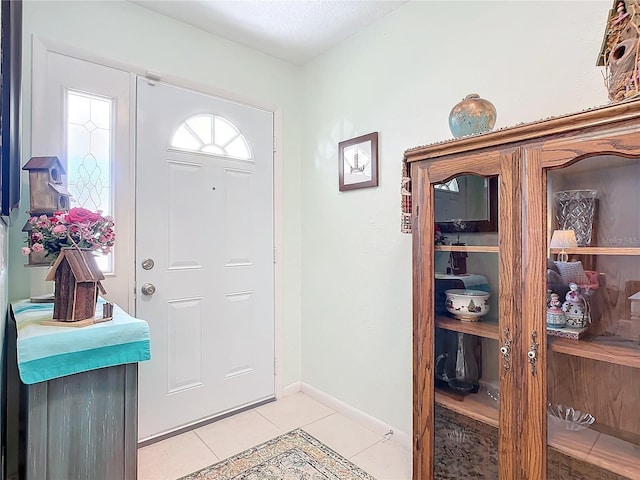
[571, 419]
[467, 305]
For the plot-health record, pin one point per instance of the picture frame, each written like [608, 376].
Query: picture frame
[10, 108]
[358, 162]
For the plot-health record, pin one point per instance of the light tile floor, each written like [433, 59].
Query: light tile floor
[170, 459]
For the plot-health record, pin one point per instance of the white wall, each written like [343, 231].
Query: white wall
[401, 77]
[128, 33]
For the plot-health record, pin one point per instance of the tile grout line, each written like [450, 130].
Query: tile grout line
[301, 426]
[317, 420]
[382, 439]
[276, 426]
[207, 445]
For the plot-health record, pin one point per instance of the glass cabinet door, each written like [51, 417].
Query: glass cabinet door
[466, 312]
[593, 319]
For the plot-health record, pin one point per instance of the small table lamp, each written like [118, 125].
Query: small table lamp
[563, 239]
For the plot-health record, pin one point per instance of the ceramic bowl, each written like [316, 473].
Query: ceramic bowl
[556, 320]
[570, 419]
[467, 305]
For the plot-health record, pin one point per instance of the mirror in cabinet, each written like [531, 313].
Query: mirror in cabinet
[593, 317]
[467, 203]
[466, 352]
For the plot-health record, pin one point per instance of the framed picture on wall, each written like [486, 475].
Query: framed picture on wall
[11, 74]
[358, 162]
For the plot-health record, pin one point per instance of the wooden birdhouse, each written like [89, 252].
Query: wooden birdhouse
[47, 191]
[77, 283]
[619, 52]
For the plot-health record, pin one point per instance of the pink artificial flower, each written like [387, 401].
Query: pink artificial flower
[60, 217]
[86, 233]
[79, 226]
[26, 251]
[80, 215]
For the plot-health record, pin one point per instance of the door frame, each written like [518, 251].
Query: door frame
[40, 48]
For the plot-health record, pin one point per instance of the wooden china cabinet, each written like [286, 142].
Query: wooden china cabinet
[496, 199]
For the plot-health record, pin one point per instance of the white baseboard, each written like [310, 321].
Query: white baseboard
[381, 428]
[291, 389]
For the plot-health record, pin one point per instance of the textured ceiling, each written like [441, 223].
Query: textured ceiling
[293, 30]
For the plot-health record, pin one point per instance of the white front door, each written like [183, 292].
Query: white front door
[204, 226]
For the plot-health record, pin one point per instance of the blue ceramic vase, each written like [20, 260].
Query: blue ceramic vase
[471, 116]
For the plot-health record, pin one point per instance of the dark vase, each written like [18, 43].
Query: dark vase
[471, 116]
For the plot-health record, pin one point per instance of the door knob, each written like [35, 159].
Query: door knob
[148, 289]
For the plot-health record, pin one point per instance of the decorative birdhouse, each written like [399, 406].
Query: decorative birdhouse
[619, 52]
[77, 283]
[47, 191]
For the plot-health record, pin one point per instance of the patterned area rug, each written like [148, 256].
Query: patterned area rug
[293, 456]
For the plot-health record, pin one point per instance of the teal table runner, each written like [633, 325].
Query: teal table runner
[47, 352]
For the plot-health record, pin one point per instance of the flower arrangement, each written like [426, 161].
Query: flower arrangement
[78, 227]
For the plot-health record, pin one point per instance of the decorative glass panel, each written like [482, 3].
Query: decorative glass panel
[212, 135]
[467, 317]
[592, 314]
[89, 155]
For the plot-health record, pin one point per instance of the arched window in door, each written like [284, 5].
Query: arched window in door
[213, 135]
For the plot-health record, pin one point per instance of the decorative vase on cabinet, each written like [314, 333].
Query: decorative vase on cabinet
[596, 377]
[472, 115]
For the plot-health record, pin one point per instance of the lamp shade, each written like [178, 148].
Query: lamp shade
[563, 239]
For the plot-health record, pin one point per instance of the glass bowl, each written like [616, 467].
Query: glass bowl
[493, 391]
[461, 386]
[569, 418]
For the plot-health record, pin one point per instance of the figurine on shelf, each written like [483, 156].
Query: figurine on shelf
[555, 315]
[576, 307]
[439, 239]
[458, 261]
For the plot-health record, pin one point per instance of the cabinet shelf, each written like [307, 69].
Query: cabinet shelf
[468, 248]
[486, 329]
[604, 451]
[478, 406]
[630, 251]
[593, 447]
[602, 351]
